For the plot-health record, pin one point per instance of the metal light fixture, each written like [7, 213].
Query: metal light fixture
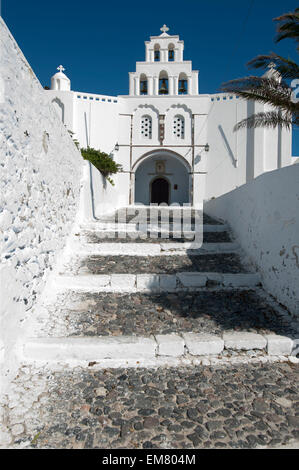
[116, 148]
[207, 148]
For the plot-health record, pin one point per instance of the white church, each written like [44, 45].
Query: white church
[174, 144]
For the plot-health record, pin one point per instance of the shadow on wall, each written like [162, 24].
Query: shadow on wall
[228, 147]
[250, 145]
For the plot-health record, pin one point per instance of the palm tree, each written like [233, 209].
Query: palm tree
[271, 88]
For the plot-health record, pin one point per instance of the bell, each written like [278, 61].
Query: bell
[163, 89]
[182, 88]
[143, 88]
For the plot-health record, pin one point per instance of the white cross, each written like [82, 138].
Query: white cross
[164, 28]
[60, 68]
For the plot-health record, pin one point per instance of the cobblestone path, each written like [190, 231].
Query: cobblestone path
[241, 397]
[224, 262]
[243, 406]
[142, 314]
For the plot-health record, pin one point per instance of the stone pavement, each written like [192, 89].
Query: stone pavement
[235, 406]
[109, 361]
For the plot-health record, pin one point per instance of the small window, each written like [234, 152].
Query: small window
[146, 127]
[179, 127]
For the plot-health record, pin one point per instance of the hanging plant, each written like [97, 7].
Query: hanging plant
[102, 161]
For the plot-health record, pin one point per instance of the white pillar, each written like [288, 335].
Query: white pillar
[171, 85]
[180, 55]
[156, 85]
[151, 55]
[176, 85]
[150, 85]
[132, 85]
[189, 85]
[137, 86]
[195, 83]
[163, 55]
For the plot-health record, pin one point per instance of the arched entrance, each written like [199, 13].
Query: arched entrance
[162, 177]
[160, 191]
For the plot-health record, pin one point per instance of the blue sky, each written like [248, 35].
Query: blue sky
[98, 42]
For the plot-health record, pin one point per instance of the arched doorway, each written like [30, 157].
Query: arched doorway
[159, 191]
[162, 176]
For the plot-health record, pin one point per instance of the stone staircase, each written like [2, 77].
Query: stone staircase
[127, 295]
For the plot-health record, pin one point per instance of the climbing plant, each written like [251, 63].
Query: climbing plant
[102, 161]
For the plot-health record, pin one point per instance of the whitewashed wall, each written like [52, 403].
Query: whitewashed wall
[40, 183]
[237, 157]
[264, 215]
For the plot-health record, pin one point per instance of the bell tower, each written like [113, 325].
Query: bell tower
[164, 71]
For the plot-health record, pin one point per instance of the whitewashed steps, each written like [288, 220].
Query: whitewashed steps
[150, 249]
[101, 349]
[82, 341]
[156, 282]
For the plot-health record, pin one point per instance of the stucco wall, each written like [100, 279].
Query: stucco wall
[264, 214]
[106, 197]
[40, 184]
[238, 157]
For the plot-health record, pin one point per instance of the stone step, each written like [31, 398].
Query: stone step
[154, 237]
[139, 348]
[155, 282]
[122, 264]
[81, 248]
[130, 216]
[141, 314]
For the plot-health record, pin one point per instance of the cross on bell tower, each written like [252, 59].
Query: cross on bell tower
[61, 68]
[164, 29]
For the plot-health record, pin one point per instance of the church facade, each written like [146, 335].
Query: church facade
[176, 146]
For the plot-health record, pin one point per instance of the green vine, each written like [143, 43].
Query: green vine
[102, 161]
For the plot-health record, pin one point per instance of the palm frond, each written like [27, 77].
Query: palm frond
[287, 68]
[288, 27]
[264, 90]
[270, 119]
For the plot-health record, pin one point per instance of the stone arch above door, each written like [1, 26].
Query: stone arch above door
[165, 165]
